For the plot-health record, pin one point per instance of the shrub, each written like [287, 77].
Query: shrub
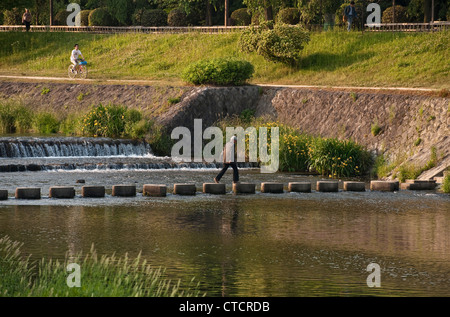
[138, 130]
[257, 18]
[375, 129]
[14, 117]
[241, 17]
[111, 121]
[173, 100]
[339, 158]
[46, 123]
[382, 167]
[400, 15]
[218, 71]
[289, 16]
[70, 125]
[136, 17]
[408, 171]
[277, 43]
[154, 17]
[84, 17]
[177, 17]
[446, 184]
[100, 17]
[159, 139]
[12, 17]
[61, 17]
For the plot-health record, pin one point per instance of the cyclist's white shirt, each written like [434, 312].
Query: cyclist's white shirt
[75, 55]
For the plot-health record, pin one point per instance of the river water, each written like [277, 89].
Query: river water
[291, 244]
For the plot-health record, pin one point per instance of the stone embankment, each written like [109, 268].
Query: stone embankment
[410, 124]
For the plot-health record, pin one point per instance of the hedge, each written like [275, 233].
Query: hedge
[219, 71]
[241, 17]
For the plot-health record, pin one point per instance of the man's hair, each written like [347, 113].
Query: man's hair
[352, 2]
[75, 45]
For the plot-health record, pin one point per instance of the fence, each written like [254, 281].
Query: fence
[410, 27]
[383, 27]
[124, 29]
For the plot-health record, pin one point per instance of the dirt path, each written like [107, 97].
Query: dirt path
[150, 82]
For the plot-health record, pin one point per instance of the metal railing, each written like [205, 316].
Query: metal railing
[383, 27]
[124, 29]
[410, 27]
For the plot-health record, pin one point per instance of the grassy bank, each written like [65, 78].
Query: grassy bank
[331, 58]
[108, 276]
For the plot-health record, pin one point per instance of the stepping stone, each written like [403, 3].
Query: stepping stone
[154, 190]
[61, 192]
[416, 184]
[327, 186]
[300, 187]
[28, 193]
[354, 186]
[274, 188]
[184, 189]
[213, 188]
[384, 186]
[93, 191]
[3, 194]
[124, 190]
[244, 188]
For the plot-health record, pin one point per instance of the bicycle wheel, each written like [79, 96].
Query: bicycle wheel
[71, 72]
[83, 72]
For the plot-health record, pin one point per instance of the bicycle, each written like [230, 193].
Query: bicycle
[82, 70]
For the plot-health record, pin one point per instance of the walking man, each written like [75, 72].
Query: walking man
[26, 19]
[229, 160]
[350, 14]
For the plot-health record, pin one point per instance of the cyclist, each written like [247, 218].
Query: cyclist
[76, 57]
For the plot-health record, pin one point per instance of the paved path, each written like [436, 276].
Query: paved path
[136, 81]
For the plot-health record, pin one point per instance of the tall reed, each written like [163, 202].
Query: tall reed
[100, 276]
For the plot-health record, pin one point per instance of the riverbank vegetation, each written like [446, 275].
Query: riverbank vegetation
[300, 152]
[332, 58]
[109, 120]
[446, 183]
[401, 168]
[100, 275]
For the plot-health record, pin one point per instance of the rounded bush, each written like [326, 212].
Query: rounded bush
[84, 16]
[61, 17]
[100, 17]
[257, 18]
[400, 15]
[177, 17]
[241, 17]
[277, 43]
[154, 17]
[12, 17]
[219, 71]
[289, 16]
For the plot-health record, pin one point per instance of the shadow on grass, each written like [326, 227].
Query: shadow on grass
[331, 61]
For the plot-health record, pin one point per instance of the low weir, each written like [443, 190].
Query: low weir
[23, 147]
[27, 154]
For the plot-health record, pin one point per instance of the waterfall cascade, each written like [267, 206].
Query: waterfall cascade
[71, 147]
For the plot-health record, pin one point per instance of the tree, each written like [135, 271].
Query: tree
[265, 7]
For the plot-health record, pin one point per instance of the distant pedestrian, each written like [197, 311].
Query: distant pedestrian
[26, 19]
[230, 149]
[349, 15]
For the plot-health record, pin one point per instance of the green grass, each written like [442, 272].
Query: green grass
[446, 184]
[100, 276]
[330, 58]
[300, 152]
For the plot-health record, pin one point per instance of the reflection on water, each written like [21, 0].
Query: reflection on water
[257, 245]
